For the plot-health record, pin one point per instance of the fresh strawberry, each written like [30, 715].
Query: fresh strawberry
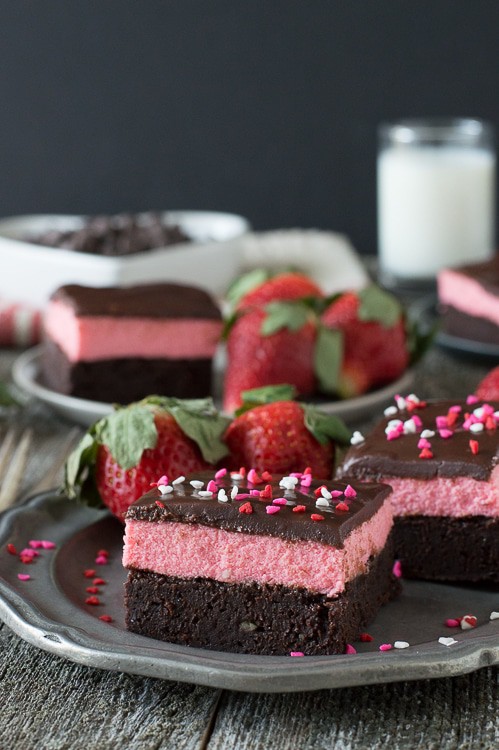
[363, 343]
[272, 337]
[283, 436]
[488, 388]
[122, 454]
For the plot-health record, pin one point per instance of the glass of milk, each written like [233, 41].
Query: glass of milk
[436, 197]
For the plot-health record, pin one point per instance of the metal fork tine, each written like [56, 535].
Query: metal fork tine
[6, 449]
[14, 473]
[52, 476]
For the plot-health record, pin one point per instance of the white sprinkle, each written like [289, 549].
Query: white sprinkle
[496, 415]
[289, 483]
[390, 411]
[236, 476]
[412, 397]
[409, 427]
[401, 402]
[178, 480]
[165, 489]
[478, 412]
[476, 427]
[466, 624]
[394, 423]
[205, 493]
[321, 502]
[196, 484]
[400, 644]
[222, 496]
[447, 641]
[325, 493]
[357, 438]
[234, 492]
[494, 616]
[428, 434]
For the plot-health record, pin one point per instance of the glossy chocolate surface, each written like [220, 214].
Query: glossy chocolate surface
[185, 505]
[377, 457]
[140, 301]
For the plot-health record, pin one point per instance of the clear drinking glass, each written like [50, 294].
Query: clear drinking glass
[436, 197]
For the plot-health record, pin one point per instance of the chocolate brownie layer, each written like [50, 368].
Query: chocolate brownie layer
[457, 323]
[452, 549]
[125, 380]
[253, 618]
[140, 301]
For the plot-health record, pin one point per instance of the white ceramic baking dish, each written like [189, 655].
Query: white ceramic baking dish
[30, 273]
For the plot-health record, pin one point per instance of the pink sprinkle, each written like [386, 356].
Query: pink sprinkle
[23, 576]
[280, 501]
[242, 496]
[48, 545]
[35, 544]
[452, 623]
[336, 493]
[488, 410]
[254, 493]
[445, 433]
[349, 491]
[455, 409]
[386, 647]
[441, 422]
[296, 653]
[271, 509]
[472, 399]
[220, 473]
[424, 443]
[101, 560]
[397, 569]
[350, 649]
[297, 474]
[27, 552]
[162, 480]
[253, 477]
[212, 486]
[306, 480]
[417, 420]
[393, 435]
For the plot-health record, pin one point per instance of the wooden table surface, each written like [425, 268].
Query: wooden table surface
[47, 702]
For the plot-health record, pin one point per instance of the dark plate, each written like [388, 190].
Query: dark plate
[49, 611]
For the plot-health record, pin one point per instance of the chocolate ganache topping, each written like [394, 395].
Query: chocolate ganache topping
[139, 301]
[427, 440]
[301, 513]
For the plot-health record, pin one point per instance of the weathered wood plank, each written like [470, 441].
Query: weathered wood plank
[459, 712]
[49, 703]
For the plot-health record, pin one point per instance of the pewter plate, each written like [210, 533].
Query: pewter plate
[49, 611]
[26, 371]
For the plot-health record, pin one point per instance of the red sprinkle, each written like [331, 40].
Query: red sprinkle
[92, 600]
[159, 504]
[267, 492]
[11, 549]
[342, 506]
[474, 446]
[426, 453]
[490, 423]
[99, 582]
[266, 476]
[365, 638]
[89, 573]
[316, 517]
[246, 508]
[299, 509]
[106, 618]
[307, 470]
[92, 589]
[318, 491]
[26, 559]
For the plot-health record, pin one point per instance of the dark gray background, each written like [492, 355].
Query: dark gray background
[264, 107]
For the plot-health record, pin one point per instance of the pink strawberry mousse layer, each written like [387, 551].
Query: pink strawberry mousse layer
[94, 338]
[444, 496]
[467, 295]
[192, 550]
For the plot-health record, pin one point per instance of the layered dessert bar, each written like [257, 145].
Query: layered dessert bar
[469, 301]
[258, 567]
[119, 344]
[442, 461]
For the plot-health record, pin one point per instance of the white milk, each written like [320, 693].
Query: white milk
[435, 208]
